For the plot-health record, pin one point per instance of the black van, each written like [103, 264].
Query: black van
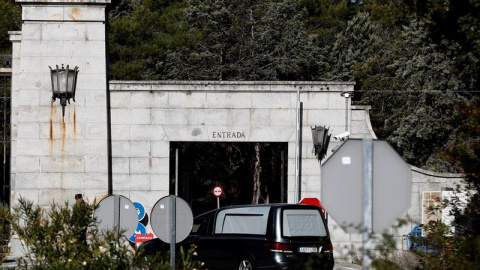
[267, 236]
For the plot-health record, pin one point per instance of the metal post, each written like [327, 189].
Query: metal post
[4, 86]
[176, 172]
[367, 202]
[116, 214]
[296, 198]
[173, 230]
[218, 202]
[320, 196]
[282, 177]
[109, 114]
[347, 95]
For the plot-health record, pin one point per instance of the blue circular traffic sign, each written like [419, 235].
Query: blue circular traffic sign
[140, 210]
[140, 230]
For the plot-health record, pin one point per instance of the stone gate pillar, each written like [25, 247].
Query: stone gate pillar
[55, 157]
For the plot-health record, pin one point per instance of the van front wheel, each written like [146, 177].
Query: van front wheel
[246, 263]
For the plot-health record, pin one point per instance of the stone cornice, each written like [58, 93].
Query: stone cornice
[68, 2]
[233, 86]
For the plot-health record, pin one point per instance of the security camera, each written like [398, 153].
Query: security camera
[342, 136]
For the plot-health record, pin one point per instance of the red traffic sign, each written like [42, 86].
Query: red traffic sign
[217, 191]
[313, 201]
[140, 238]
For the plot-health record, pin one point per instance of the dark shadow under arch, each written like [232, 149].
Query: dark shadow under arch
[231, 165]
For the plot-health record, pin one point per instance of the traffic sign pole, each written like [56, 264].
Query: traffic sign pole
[116, 213]
[367, 202]
[173, 232]
[217, 192]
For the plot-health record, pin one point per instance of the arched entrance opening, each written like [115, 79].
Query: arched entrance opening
[249, 172]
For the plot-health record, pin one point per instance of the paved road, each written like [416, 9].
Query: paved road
[338, 266]
[346, 266]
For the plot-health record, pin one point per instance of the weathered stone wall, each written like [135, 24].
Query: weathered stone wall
[147, 116]
[54, 157]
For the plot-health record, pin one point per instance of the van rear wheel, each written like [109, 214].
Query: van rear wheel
[246, 263]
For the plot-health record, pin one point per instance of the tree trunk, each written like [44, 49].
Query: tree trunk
[256, 175]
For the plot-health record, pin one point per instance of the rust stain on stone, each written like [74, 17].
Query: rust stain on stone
[51, 127]
[150, 163]
[75, 13]
[51, 120]
[64, 134]
[56, 16]
[75, 122]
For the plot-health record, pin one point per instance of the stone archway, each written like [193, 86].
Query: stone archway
[147, 116]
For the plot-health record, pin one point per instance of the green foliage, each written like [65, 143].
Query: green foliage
[390, 12]
[449, 248]
[50, 242]
[141, 36]
[159, 261]
[325, 18]
[424, 121]
[245, 40]
[353, 50]
[452, 19]
[464, 152]
[4, 233]
[411, 84]
[10, 19]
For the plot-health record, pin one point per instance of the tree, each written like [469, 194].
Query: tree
[140, 35]
[426, 72]
[245, 40]
[325, 18]
[391, 13]
[411, 83]
[10, 20]
[357, 53]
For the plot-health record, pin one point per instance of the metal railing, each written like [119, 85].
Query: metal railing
[5, 112]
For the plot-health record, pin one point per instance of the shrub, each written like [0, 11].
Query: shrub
[52, 242]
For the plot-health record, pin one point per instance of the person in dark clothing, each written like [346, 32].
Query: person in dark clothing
[80, 218]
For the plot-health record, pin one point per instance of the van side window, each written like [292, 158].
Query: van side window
[242, 221]
[298, 222]
[199, 226]
[243, 224]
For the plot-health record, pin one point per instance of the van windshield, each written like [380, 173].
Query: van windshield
[303, 222]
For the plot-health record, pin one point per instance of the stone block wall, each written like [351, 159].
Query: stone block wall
[54, 157]
[147, 116]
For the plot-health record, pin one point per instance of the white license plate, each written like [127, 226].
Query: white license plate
[307, 249]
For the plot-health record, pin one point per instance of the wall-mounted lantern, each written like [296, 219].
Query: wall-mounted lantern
[64, 82]
[321, 139]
